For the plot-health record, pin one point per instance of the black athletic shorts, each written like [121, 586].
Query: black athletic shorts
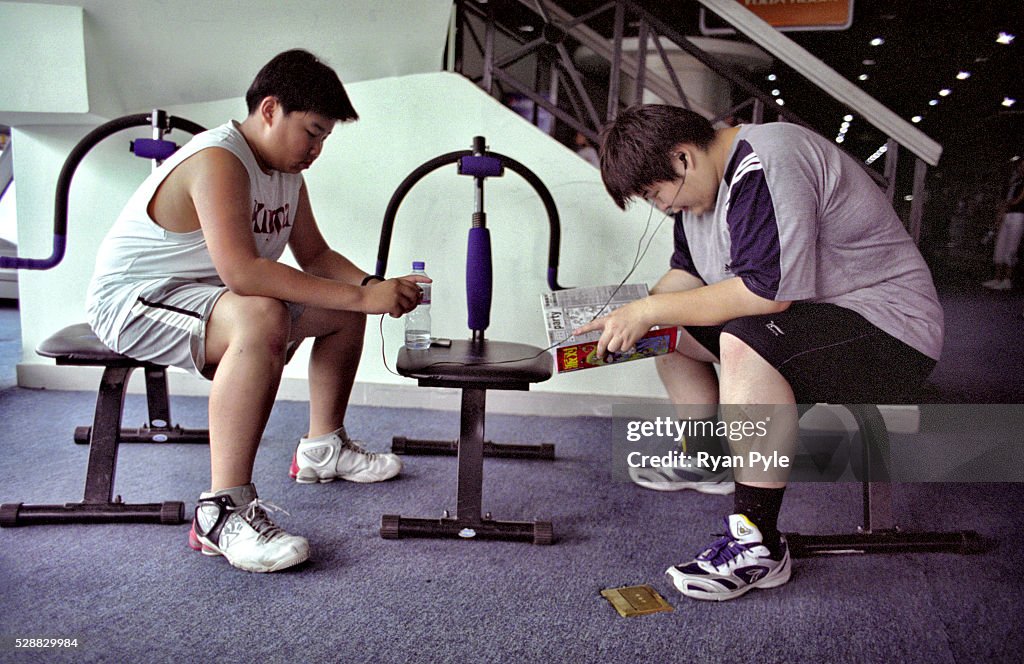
[828, 354]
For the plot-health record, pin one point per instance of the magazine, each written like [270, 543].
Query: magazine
[565, 310]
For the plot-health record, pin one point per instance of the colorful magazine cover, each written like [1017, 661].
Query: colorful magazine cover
[565, 310]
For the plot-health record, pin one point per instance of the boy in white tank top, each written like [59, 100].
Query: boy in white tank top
[189, 276]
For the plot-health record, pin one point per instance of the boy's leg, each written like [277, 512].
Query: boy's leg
[327, 453]
[337, 347]
[692, 385]
[246, 338]
[754, 391]
[688, 375]
[751, 553]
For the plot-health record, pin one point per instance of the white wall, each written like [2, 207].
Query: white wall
[51, 39]
[8, 216]
[404, 122]
[105, 58]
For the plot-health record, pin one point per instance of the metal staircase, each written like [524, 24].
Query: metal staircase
[489, 45]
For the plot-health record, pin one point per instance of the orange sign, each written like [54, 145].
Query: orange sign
[792, 15]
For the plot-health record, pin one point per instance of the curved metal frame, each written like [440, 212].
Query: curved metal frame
[432, 165]
[74, 159]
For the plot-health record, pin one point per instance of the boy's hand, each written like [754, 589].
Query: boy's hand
[395, 297]
[621, 329]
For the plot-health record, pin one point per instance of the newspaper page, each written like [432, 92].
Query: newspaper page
[565, 310]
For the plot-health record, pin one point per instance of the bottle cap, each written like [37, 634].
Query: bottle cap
[418, 265]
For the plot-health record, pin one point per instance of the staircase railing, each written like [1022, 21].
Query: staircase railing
[503, 59]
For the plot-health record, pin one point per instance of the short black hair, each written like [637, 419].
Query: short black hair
[636, 148]
[301, 82]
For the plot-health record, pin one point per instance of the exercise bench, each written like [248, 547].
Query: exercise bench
[77, 345]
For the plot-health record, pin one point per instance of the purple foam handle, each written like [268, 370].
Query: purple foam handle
[481, 166]
[151, 148]
[478, 279]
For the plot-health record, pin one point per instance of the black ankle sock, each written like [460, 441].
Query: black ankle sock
[701, 437]
[762, 507]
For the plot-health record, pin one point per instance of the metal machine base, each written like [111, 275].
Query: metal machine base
[393, 526]
[879, 534]
[887, 541]
[99, 504]
[18, 514]
[403, 445]
[468, 522]
[151, 434]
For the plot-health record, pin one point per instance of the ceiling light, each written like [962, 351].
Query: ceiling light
[772, 77]
[1004, 38]
[847, 118]
[868, 63]
[775, 92]
[878, 41]
[526, 28]
[878, 153]
[916, 119]
[862, 77]
[1008, 102]
[933, 102]
[944, 92]
[963, 76]
[908, 197]
[844, 126]
[780, 102]
[840, 139]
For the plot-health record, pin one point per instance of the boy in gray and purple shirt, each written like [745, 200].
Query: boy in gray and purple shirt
[793, 273]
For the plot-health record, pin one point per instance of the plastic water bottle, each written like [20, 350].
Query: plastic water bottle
[417, 321]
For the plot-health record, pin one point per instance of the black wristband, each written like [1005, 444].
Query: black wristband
[367, 278]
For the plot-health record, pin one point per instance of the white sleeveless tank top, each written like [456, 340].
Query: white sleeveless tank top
[137, 251]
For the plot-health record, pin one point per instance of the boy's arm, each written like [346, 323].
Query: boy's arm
[700, 305]
[219, 187]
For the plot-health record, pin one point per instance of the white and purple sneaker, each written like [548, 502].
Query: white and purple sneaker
[732, 565]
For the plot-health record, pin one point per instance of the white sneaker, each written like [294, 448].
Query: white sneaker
[733, 565]
[334, 456]
[679, 479]
[233, 523]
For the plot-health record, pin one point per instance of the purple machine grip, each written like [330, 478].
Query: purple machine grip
[478, 278]
[151, 148]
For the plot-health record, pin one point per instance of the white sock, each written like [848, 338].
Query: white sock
[340, 433]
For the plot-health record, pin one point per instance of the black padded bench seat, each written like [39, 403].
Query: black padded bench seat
[78, 344]
[474, 363]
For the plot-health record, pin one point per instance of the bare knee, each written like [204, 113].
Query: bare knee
[323, 323]
[747, 375]
[259, 324]
[735, 352]
[354, 321]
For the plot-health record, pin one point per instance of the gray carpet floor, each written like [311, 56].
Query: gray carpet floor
[137, 593]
